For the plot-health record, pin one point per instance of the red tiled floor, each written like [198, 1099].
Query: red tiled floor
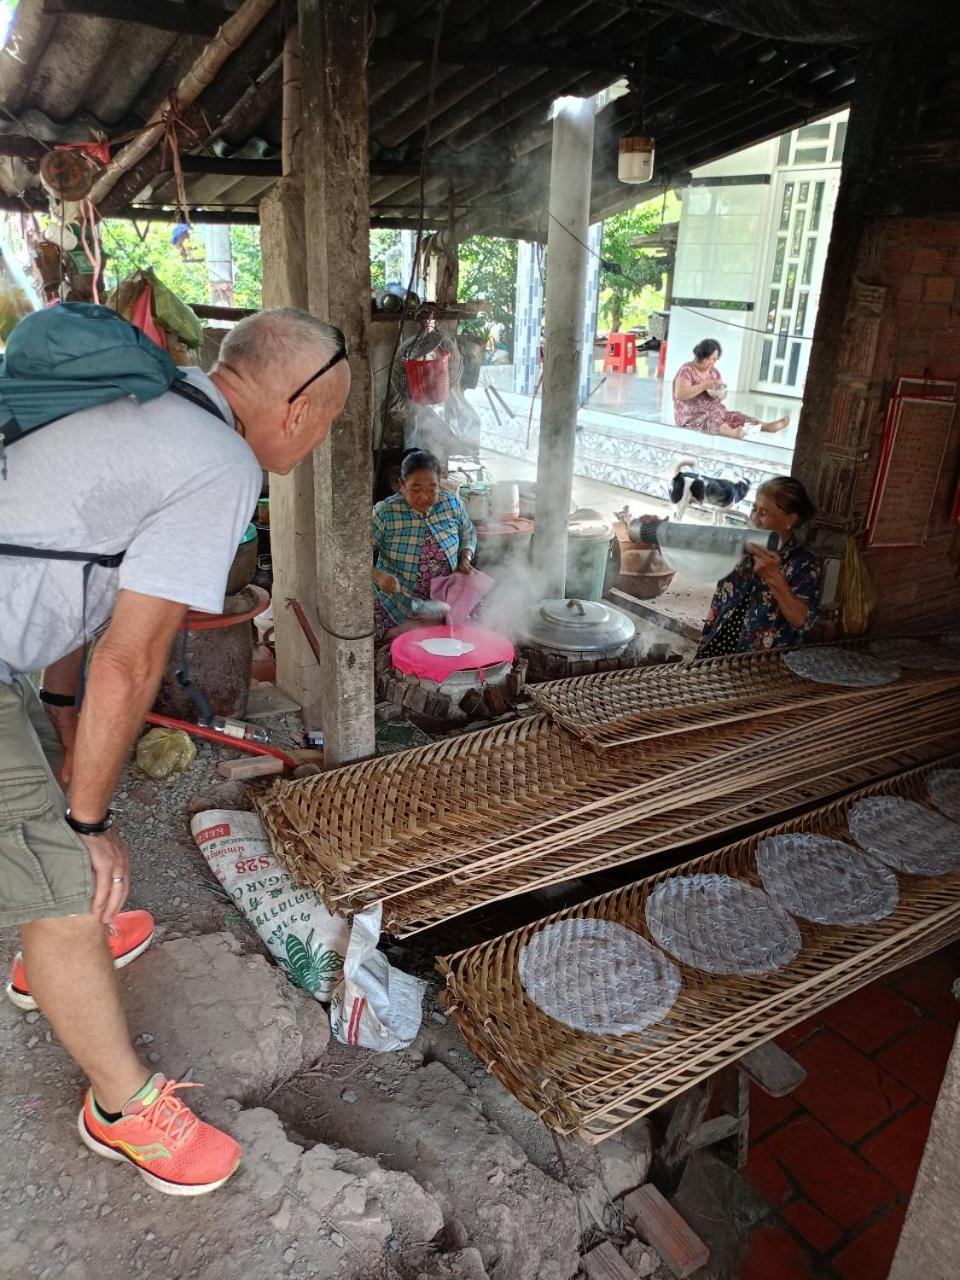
[845, 1089]
[919, 1058]
[928, 983]
[766, 1112]
[836, 1180]
[896, 1150]
[802, 1031]
[816, 1228]
[871, 1017]
[766, 1176]
[773, 1255]
[870, 1255]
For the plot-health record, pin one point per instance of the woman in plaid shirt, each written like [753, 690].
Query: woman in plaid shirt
[419, 534]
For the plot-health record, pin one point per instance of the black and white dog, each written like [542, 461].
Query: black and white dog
[704, 491]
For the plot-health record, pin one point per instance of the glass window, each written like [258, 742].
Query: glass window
[783, 151]
[810, 155]
[782, 339]
[778, 259]
[817, 206]
[765, 360]
[800, 319]
[806, 275]
[797, 239]
[813, 133]
[839, 141]
[777, 373]
[772, 309]
[789, 286]
[803, 195]
[794, 365]
[786, 206]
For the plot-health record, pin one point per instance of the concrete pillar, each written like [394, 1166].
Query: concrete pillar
[930, 1240]
[591, 304]
[334, 39]
[528, 318]
[567, 254]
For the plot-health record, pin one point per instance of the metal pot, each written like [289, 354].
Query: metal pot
[574, 637]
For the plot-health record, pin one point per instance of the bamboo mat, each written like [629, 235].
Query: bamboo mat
[596, 1085]
[614, 709]
[436, 832]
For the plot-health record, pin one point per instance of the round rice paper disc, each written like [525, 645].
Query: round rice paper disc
[598, 976]
[917, 655]
[827, 881]
[906, 835]
[847, 667]
[944, 789]
[721, 925]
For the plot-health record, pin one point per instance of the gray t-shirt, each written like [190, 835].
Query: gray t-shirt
[166, 481]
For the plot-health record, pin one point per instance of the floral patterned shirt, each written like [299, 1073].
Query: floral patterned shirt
[398, 537]
[744, 614]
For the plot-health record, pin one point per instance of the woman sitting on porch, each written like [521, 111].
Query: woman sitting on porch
[771, 599]
[698, 392]
[419, 534]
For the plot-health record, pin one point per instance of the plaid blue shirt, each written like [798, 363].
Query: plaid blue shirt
[398, 533]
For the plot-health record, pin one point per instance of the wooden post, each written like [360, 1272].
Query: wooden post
[570, 179]
[334, 40]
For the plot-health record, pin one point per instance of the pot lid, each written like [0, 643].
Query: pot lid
[578, 625]
[590, 528]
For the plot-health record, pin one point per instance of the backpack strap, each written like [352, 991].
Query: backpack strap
[187, 391]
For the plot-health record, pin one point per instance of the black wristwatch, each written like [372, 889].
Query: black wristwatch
[57, 699]
[90, 828]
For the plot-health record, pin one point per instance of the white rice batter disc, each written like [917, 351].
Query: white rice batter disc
[944, 789]
[447, 646]
[918, 655]
[906, 835]
[598, 976]
[847, 667]
[722, 925]
[826, 881]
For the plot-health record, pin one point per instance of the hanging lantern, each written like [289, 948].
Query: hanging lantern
[635, 164]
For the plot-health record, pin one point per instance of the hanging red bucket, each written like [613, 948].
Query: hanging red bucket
[429, 380]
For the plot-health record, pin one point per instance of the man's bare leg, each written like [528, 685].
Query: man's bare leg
[70, 971]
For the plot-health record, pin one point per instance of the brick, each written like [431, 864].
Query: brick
[934, 315]
[873, 1016]
[837, 1181]
[774, 1255]
[660, 1225]
[604, 1263]
[938, 288]
[928, 983]
[908, 289]
[845, 1089]
[870, 1255]
[927, 262]
[919, 1058]
[896, 1150]
[819, 1231]
[249, 767]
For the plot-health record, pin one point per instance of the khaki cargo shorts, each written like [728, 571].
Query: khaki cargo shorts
[44, 867]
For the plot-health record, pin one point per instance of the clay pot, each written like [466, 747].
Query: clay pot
[643, 571]
[244, 563]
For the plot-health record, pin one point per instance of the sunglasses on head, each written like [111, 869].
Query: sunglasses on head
[334, 360]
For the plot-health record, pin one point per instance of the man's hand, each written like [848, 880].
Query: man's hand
[65, 721]
[110, 859]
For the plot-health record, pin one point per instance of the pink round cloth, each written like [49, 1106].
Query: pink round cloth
[407, 652]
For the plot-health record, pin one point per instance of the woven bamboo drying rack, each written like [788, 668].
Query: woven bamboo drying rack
[615, 709]
[597, 1085]
[436, 832]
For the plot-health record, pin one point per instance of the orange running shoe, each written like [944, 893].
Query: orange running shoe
[130, 935]
[174, 1150]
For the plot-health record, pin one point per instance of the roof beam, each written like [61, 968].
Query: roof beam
[162, 15]
[462, 53]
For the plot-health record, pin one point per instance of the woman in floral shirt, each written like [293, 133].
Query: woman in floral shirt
[772, 598]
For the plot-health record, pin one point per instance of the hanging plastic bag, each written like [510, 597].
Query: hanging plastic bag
[858, 595]
[141, 314]
[163, 752]
[306, 939]
[375, 1006]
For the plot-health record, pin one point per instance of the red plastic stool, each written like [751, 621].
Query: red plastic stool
[662, 362]
[621, 353]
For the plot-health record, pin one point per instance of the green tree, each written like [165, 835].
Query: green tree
[627, 272]
[383, 244]
[488, 271]
[247, 266]
[131, 247]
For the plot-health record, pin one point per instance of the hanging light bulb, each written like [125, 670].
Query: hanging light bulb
[635, 163]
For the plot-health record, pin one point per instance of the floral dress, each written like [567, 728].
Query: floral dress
[703, 413]
[744, 614]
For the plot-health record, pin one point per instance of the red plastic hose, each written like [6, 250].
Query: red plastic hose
[225, 740]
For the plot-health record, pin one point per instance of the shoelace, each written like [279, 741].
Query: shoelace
[169, 1113]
